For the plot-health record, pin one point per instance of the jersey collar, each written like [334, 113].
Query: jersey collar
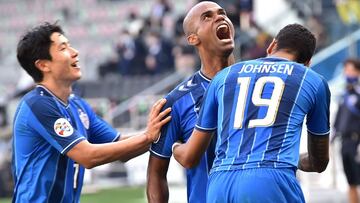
[51, 94]
[275, 58]
[203, 76]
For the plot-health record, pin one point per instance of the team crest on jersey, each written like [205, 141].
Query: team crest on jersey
[84, 119]
[63, 128]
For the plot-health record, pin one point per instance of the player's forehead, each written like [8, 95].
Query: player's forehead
[58, 38]
[204, 7]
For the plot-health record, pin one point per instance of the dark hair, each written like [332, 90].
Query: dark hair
[353, 61]
[297, 40]
[35, 45]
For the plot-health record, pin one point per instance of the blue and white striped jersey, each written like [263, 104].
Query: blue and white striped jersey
[258, 108]
[185, 101]
[45, 129]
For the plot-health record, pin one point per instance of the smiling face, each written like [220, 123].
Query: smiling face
[208, 27]
[64, 63]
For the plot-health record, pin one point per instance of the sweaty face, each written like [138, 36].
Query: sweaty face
[64, 65]
[213, 27]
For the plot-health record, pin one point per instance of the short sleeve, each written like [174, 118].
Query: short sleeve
[99, 130]
[318, 117]
[208, 112]
[47, 119]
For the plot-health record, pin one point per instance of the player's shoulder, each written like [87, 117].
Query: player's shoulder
[38, 97]
[77, 99]
[224, 73]
[187, 86]
[315, 78]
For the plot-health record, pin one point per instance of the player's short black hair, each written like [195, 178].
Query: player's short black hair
[297, 40]
[354, 61]
[35, 45]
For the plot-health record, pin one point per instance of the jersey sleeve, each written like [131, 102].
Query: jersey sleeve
[208, 112]
[99, 130]
[48, 121]
[318, 117]
[170, 133]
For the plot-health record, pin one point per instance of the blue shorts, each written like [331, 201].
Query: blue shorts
[254, 186]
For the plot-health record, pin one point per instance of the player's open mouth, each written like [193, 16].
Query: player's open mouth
[75, 64]
[223, 32]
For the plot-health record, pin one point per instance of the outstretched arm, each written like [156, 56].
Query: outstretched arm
[157, 189]
[91, 155]
[317, 157]
[189, 153]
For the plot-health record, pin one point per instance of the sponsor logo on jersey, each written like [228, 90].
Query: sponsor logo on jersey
[63, 128]
[186, 86]
[84, 119]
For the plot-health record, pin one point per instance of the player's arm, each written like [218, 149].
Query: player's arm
[91, 155]
[157, 189]
[317, 157]
[189, 153]
[318, 125]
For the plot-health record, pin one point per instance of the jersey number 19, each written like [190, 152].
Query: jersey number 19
[257, 100]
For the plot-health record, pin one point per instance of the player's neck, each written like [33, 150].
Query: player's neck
[211, 66]
[61, 91]
[283, 54]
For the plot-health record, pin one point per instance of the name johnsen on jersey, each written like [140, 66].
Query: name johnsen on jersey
[267, 68]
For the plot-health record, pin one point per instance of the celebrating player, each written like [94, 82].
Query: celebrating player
[56, 134]
[258, 108]
[206, 27]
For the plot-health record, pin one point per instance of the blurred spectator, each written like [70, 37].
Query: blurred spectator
[6, 181]
[110, 66]
[349, 11]
[159, 58]
[246, 9]
[348, 128]
[316, 26]
[158, 11]
[23, 85]
[258, 50]
[186, 59]
[132, 53]
[331, 20]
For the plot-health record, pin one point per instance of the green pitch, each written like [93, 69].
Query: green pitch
[116, 195]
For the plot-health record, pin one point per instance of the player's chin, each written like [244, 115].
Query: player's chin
[227, 49]
[77, 76]
[226, 42]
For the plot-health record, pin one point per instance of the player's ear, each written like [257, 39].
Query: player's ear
[193, 39]
[42, 65]
[271, 47]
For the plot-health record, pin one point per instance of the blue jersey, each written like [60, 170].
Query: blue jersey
[45, 129]
[258, 108]
[185, 101]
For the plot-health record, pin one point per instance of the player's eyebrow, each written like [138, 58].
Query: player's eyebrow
[63, 43]
[221, 10]
[209, 12]
[206, 13]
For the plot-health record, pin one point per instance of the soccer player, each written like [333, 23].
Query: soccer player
[56, 134]
[258, 108]
[206, 27]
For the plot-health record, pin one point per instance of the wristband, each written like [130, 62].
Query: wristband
[174, 145]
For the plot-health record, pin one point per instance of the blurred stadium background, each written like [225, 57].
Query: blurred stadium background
[132, 52]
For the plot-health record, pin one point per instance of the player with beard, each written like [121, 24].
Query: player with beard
[210, 31]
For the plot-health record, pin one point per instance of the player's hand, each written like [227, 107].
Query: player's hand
[156, 120]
